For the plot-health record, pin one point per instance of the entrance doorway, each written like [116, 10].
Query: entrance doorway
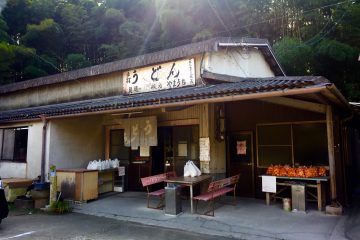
[136, 167]
[240, 159]
[176, 145]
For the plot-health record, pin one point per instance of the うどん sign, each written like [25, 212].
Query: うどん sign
[163, 76]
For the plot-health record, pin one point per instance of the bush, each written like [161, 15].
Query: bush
[60, 207]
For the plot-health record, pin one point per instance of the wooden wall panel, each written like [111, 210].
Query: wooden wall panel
[93, 87]
[244, 115]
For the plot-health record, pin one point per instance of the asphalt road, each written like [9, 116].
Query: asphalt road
[38, 225]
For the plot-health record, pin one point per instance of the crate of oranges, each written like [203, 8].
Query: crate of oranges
[302, 172]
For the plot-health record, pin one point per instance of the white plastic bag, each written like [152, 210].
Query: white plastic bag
[115, 163]
[197, 170]
[99, 165]
[187, 170]
[107, 164]
[190, 169]
[91, 165]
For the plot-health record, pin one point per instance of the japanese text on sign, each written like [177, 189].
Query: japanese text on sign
[204, 144]
[160, 77]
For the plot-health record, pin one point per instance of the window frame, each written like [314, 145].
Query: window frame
[292, 138]
[14, 153]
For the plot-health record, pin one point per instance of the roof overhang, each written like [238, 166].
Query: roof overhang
[242, 89]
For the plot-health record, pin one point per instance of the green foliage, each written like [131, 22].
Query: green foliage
[336, 51]
[46, 37]
[296, 57]
[203, 35]
[75, 61]
[61, 207]
[4, 37]
[31, 71]
[7, 56]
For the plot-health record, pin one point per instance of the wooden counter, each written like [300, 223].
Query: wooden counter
[78, 184]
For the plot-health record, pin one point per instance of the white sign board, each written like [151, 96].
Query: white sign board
[169, 75]
[144, 151]
[269, 184]
[204, 149]
[121, 171]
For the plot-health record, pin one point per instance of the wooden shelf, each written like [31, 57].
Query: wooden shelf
[106, 180]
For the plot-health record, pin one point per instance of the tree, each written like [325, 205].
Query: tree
[7, 56]
[4, 37]
[47, 37]
[76, 61]
[296, 57]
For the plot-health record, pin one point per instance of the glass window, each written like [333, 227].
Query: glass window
[117, 148]
[274, 135]
[13, 144]
[293, 144]
[310, 144]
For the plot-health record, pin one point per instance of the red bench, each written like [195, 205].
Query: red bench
[215, 190]
[151, 180]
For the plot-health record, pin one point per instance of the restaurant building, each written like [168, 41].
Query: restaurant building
[224, 103]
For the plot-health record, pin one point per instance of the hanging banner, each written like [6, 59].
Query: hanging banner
[140, 132]
[168, 75]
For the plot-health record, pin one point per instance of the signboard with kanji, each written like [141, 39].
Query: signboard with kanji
[163, 76]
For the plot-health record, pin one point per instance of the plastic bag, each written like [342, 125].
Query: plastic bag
[186, 170]
[193, 172]
[197, 170]
[190, 169]
[99, 165]
[92, 165]
[115, 163]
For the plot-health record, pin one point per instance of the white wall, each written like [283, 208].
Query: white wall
[74, 142]
[238, 62]
[32, 168]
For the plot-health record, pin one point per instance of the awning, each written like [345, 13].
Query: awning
[236, 89]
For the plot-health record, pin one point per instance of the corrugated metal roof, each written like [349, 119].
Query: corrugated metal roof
[144, 60]
[239, 87]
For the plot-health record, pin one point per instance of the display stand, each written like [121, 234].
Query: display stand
[106, 180]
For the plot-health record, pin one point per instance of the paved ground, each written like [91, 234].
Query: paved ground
[124, 216]
[75, 226]
[249, 219]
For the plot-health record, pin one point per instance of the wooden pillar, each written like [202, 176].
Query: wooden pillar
[331, 153]
[204, 132]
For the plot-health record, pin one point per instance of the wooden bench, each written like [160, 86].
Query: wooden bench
[215, 190]
[151, 180]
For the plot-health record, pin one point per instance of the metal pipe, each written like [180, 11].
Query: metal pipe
[43, 147]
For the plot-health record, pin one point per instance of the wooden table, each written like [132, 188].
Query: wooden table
[190, 181]
[319, 197]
